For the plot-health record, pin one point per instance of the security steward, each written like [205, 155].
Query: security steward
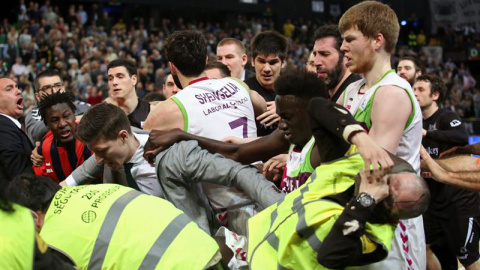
[110, 226]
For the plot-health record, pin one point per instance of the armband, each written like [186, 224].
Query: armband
[351, 130]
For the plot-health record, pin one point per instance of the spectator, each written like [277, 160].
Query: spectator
[10, 52]
[19, 68]
[95, 96]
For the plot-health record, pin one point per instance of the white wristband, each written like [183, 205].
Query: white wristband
[349, 129]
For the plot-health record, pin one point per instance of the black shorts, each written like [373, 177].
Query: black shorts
[460, 235]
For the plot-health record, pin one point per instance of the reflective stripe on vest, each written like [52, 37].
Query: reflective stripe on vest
[303, 230]
[155, 254]
[108, 227]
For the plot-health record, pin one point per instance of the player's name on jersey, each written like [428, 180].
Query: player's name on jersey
[225, 92]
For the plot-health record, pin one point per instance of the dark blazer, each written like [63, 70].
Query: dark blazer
[15, 150]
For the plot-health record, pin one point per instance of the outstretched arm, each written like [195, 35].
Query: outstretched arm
[473, 149]
[261, 149]
[466, 179]
[335, 128]
[186, 163]
[90, 170]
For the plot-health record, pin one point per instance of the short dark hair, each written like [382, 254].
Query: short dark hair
[48, 101]
[219, 65]
[269, 43]
[330, 30]
[154, 96]
[102, 121]
[46, 73]
[32, 191]
[437, 85]
[129, 66]
[416, 63]
[187, 50]
[305, 85]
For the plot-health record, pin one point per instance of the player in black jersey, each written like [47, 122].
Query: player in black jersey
[122, 78]
[269, 51]
[452, 219]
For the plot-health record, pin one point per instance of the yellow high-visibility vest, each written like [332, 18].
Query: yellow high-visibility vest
[17, 239]
[110, 226]
[289, 233]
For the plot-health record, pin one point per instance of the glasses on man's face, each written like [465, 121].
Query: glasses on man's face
[54, 87]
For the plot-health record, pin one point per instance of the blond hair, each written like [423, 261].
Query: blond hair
[234, 41]
[371, 18]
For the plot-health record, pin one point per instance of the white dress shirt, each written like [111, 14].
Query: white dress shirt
[15, 121]
[144, 172]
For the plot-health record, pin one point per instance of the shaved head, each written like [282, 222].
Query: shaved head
[409, 195]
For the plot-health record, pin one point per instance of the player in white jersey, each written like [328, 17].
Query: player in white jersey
[217, 109]
[214, 108]
[225, 102]
[384, 103]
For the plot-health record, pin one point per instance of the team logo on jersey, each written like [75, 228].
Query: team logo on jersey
[455, 123]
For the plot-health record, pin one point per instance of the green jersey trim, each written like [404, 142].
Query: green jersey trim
[184, 113]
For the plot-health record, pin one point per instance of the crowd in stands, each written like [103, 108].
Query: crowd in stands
[81, 43]
[169, 117]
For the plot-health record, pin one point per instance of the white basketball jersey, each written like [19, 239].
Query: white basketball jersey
[217, 108]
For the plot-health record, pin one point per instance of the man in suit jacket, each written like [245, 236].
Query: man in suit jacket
[15, 147]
